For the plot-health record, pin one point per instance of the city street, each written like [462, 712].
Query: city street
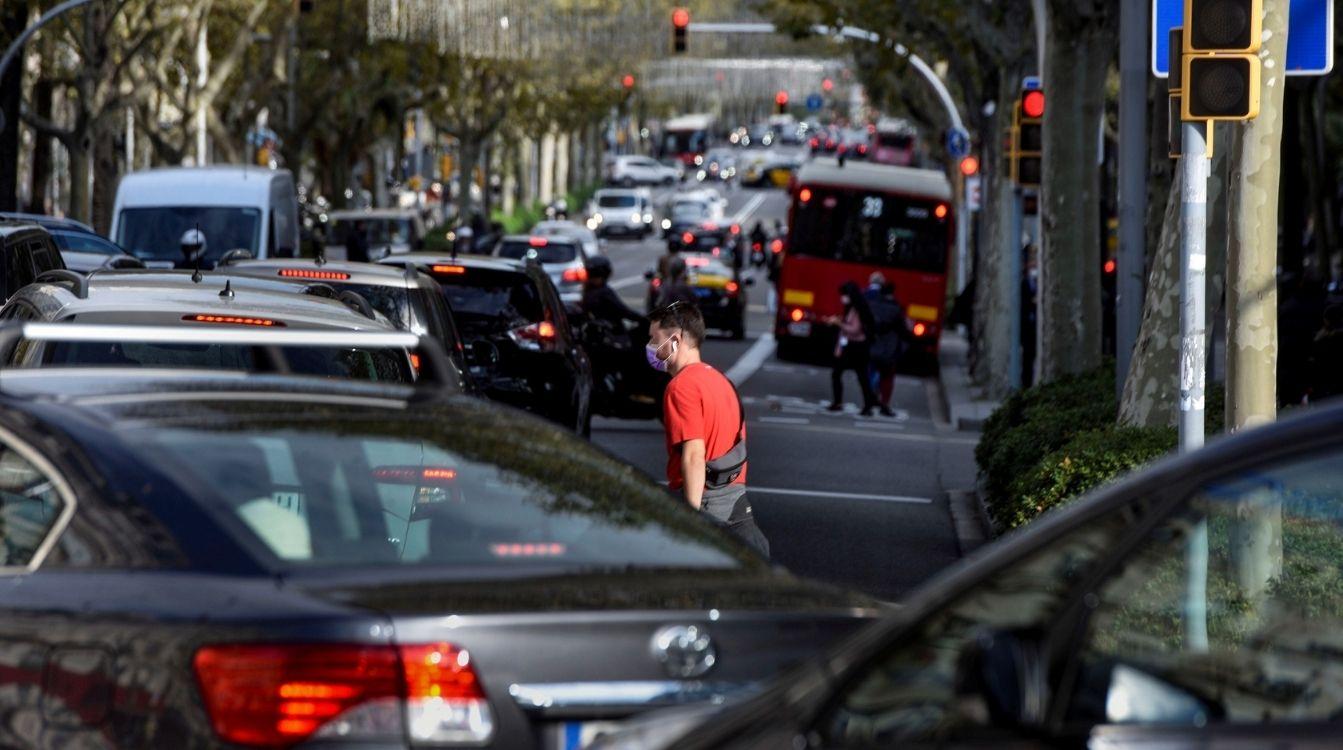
[856, 501]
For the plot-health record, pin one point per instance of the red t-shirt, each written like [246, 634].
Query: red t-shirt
[700, 403]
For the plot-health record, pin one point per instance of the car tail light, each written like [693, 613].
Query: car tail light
[575, 275]
[305, 273]
[776, 246]
[687, 238]
[941, 211]
[711, 226]
[453, 270]
[755, 247]
[528, 549]
[657, 283]
[735, 229]
[732, 288]
[538, 241]
[267, 695]
[535, 336]
[920, 329]
[796, 315]
[234, 320]
[414, 475]
[804, 195]
[415, 363]
[691, 262]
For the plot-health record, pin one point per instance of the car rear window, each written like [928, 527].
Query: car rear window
[381, 365]
[81, 242]
[551, 251]
[344, 490]
[616, 201]
[486, 298]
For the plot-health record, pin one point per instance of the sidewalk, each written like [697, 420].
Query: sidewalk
[967, 406]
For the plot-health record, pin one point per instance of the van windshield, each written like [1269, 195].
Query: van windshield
[155, 233]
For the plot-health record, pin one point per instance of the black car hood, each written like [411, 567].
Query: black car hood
[680, 589]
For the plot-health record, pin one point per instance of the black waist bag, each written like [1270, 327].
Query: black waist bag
[724, 470]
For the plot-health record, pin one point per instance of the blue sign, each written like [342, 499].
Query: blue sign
[814, 103]
[1310, 41]
[958, 143]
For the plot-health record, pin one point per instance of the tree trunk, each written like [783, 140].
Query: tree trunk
[41, 171]
[80, 154]
[1252, 309]
[104, 182]
[1160, 167]
[1076, 64]
[13, 20]
[1152, 388]
[468, 155]
[994, 281]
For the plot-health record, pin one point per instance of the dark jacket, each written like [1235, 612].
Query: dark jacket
[602, 303]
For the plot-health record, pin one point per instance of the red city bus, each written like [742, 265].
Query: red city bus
[686, 138]
[849, 220]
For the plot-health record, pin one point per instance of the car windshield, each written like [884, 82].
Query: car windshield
[616, 201]
[871, 228]
[547, 251]
[392, 301]
[485, 300]
[327, 491]
[380, 365]
[377, 231]
[156, 233]
[83, 242]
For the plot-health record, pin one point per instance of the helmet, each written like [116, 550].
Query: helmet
[193, 244]
[599, 267]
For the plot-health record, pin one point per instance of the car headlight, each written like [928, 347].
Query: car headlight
[666, 223]
[698, 160]
[700, 175]
[648, 218]
[634, 218]
[593, 223]
[597, 217]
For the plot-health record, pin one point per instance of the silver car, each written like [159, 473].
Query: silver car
[561, 257]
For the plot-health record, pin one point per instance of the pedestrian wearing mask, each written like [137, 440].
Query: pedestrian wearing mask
[853, 350]
[705, 424]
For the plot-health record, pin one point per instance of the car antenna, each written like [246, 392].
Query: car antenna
[227, 293]
[320, 260]
[196, 275]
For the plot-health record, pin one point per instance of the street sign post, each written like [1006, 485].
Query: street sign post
[958, 143]
[814, 103]
[1310, 43]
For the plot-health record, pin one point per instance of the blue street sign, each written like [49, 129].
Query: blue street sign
[1310, 41]
[958, 143]
[815, 102]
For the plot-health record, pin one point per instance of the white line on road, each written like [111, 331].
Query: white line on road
[627, 281]
[761, 350]
[839, 495]
[784, 420]
[878, 425]
[748, 209]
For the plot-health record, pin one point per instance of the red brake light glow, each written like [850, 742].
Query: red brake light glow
[920, 329]
[796, 315]
[304, 273]
[697, 261]
[941, 211]
[735, 228]
[1110, 266]
[415, 363]
[538, 241]
[776, 245]
[413, 474]
[657, 283]
[448, 269]
[575, 275]
[234, 320]
[687, 238]
[545, 329]
[527, 550]
[732, 288]
[804, 195]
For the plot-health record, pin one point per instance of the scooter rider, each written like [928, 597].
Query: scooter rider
[601, 301]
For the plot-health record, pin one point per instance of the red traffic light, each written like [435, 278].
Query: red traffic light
[1033, 103]
[680, 18]
[827, 85]
[627, 81]
[781, 98]
[969, 166]
[1110, 266]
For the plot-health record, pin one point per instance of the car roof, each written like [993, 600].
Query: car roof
[620, 191]
[447, 259]
[132, 293]
[373, 274]
[224, 185]
[48, 222]
[373, 213]
[8, 228]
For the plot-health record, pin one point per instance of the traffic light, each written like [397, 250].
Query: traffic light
[970, 166]
[1220, 68]
[680, 24]
[627, 82]
[1028, 138]
[781, 101]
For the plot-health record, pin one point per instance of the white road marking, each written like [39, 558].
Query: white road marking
[748, 209]
[839, 495]
[784, 420]
[875, 425]
[627, 281]
[745, 367]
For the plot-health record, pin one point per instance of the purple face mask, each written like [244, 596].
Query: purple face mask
[656, 362]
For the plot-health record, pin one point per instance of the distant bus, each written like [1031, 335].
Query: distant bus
[894, 142]
[846, 222]
[686, 138]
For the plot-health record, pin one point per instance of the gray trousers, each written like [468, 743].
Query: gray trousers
[730, 507]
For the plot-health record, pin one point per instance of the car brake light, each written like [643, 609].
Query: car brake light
[687, 238]
[575, 275]
[920, 329]
[776, 245]
[941, 211]
[804, 195]
[657, 283]
[735, 228]
[534, 335]
[234, 320]
[527, 550]
[304, 273]
[448, 269]
[732, 288]
[697, 261]
[415, 363]
[416, 475]
[281, 694]
[538, 241]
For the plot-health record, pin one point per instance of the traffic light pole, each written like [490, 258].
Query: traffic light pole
[1193, 282]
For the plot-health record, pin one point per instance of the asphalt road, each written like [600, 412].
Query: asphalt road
[856, 501]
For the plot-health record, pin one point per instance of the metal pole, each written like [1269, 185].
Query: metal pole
[1014, 294]
[1132, 183]
[1193, 286]
[962, 238]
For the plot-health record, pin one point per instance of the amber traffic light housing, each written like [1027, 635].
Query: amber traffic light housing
[680, 25]
[1028, 138]
[1220, 68]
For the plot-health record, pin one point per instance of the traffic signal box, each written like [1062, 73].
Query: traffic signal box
[680, 25]
[781, 102]
[1219, 67]
[1026, 153]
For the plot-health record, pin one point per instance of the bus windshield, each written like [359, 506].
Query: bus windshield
[684, 142]
[871, 228]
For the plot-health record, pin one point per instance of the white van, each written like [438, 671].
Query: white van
[249, 208]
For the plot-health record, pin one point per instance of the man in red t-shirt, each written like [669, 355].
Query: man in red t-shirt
[704, 422]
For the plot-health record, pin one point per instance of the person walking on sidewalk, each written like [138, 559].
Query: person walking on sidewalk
[705, 424]
[853, 350]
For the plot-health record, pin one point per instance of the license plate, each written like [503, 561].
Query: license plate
[573, 735]
[799, 329]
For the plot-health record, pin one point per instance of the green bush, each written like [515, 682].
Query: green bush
[1084, 462]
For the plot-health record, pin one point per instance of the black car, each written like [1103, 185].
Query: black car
[196, 560]
[1197, 604]
[521, 349]
[82, 249]
[26, 252]
[683, 216]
